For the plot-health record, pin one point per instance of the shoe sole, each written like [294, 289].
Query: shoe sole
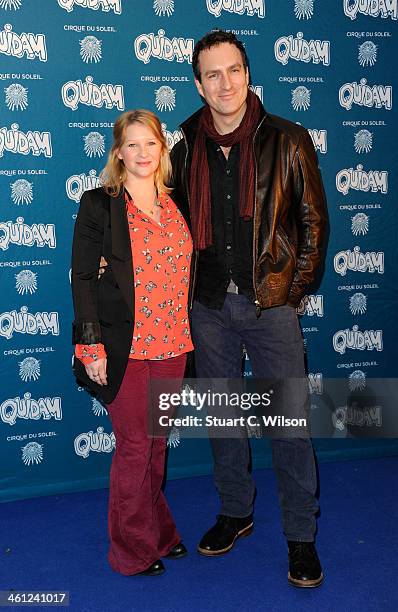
[305, 584]
[155, 573]
[243, 533]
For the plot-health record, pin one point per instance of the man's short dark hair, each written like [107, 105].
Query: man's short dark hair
[211, 39]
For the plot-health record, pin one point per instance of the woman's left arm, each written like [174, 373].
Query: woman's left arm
[86, 254]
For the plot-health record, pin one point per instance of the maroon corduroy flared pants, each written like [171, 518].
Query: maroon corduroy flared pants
[141, 528]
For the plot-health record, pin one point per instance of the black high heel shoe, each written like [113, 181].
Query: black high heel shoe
[177, 552]
[156, 569]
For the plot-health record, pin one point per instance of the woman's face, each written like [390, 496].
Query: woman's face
[140, 151]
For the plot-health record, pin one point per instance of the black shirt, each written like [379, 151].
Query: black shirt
[231, 254]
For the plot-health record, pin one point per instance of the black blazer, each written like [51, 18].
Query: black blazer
[104, 310]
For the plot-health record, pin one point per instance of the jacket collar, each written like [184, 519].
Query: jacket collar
[122, 263]
[121, 247]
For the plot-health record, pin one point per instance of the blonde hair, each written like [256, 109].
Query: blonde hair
[114, 174]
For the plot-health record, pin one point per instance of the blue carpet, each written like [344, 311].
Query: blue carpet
[60, 542]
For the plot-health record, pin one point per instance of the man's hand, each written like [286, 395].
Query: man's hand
[96, 371]
[102, 268]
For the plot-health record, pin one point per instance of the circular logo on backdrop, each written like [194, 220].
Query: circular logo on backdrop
[174, 438]
[94, 144]
[90, 49]
[22, 192]
[10, 4]
[165, 98]
[304, 9]
[32, 453]
[358, 303]
[16, 97]
[29, 369]
[98, 408]
[360, 224]
[367, 54]
[26, 282]
[363, 141]
[357, 380]
[163, 8]
[301, 98]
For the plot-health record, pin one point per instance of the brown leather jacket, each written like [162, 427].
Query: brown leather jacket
[290, 210]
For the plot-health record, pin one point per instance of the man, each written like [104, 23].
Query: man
[249, 183]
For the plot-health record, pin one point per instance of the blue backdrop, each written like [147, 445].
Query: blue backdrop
[68, 68]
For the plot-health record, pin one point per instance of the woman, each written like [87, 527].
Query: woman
[131, 327]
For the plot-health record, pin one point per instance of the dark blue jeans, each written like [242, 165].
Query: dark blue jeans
[275, 348]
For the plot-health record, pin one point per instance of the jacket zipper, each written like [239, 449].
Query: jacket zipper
[256, 302]
[194, 251]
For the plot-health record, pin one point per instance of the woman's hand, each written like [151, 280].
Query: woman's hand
[97, 371]
[102, 268]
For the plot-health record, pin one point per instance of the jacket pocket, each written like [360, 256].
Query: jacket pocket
[281, 266]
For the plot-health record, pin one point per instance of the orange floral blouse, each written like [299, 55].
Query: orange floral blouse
[161, 259]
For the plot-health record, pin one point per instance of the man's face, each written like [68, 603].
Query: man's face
[225, 80]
